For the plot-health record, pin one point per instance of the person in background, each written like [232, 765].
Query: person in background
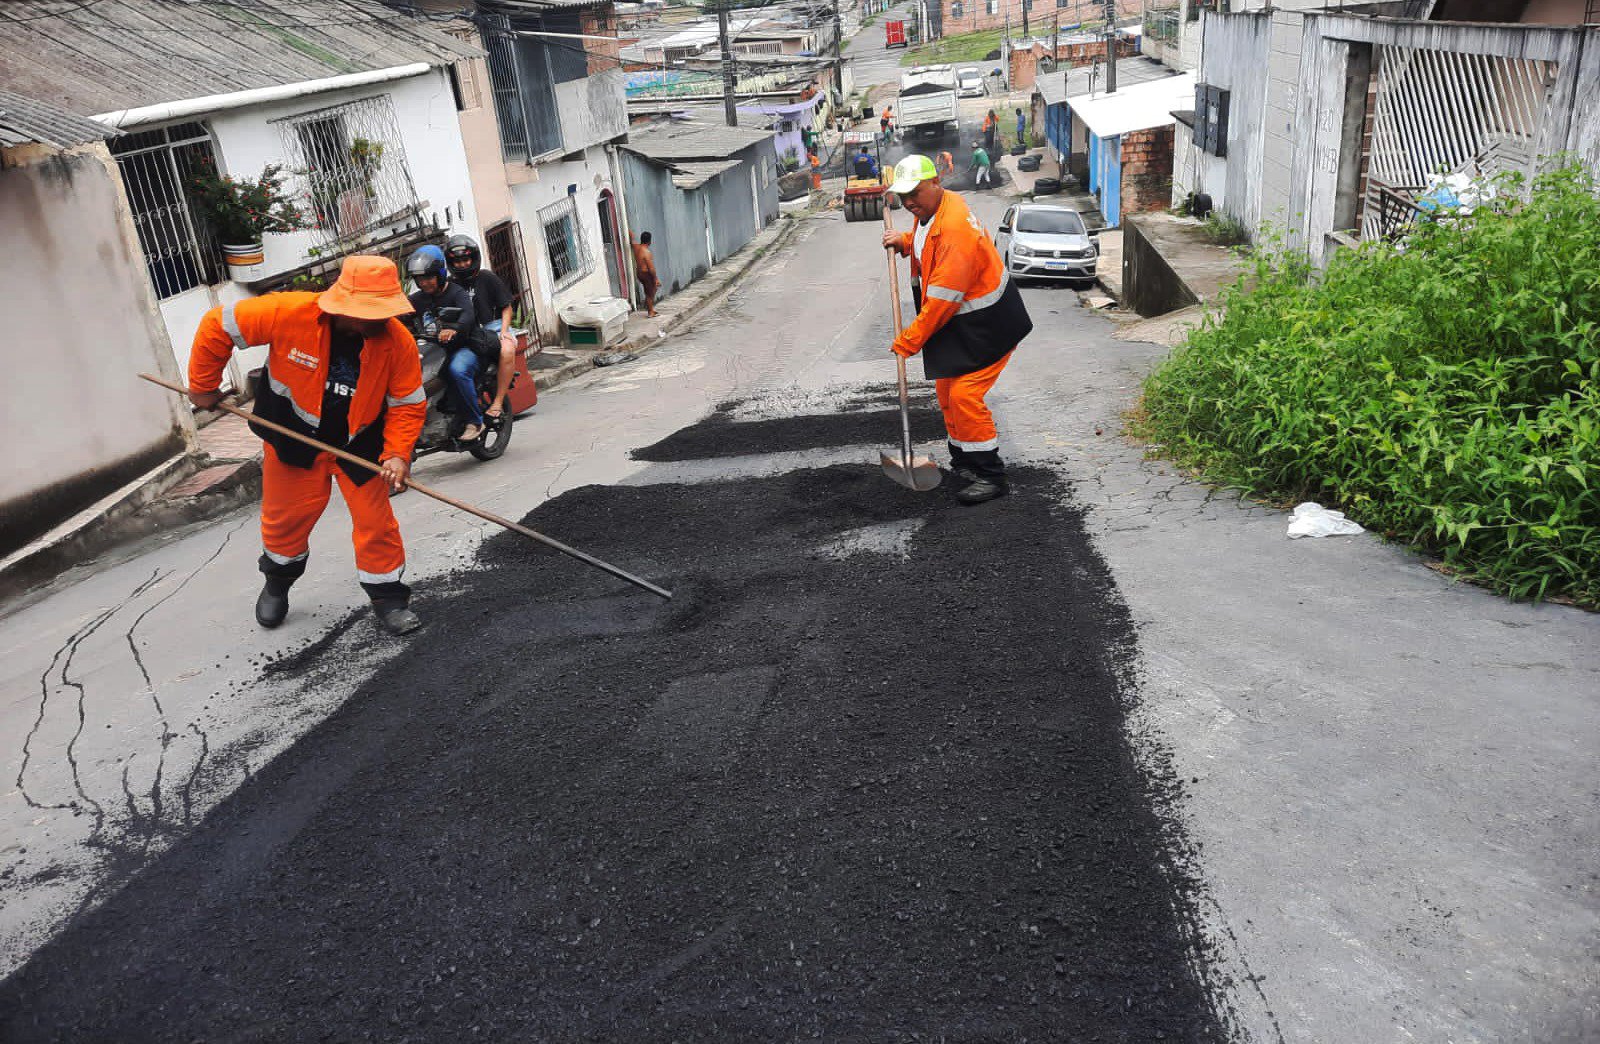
[458, 337]
[991, 125]
[491, 303]
[945, 164]
[982, 169]
[1022, 129]
[644, 268]
[885, 122]
[866, 164]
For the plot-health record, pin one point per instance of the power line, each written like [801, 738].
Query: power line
[81, 6]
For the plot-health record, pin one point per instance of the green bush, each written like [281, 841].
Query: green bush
[1444, 391]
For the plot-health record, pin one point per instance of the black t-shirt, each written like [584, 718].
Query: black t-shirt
[489, 295]
[344, 369]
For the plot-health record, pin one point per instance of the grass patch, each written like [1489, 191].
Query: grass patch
[1445, 392]
[954, 50]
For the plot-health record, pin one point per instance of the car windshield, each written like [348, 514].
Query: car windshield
[971, 77]
[1061, 222]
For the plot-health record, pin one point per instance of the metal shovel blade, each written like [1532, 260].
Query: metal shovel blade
[922, 475]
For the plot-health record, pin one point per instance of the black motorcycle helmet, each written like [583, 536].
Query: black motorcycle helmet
[460, 247]
[424, 263]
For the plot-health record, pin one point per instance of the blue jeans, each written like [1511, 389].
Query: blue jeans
[463, 373]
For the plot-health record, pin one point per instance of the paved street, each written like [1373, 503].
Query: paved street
[1110, 758]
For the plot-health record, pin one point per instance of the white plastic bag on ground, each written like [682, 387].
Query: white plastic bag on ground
[1314, 520]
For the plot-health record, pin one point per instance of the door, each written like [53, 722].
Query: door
[1002, 236]
[611, 237]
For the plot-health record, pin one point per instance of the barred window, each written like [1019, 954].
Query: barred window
[352, 166]
[563, 237]
[955, 9]
[179, 251]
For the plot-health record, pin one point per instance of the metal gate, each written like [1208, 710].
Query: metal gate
[1446, 112]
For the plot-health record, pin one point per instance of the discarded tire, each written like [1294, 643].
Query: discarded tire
[1019, 150]
[1028, 163]
[1046, 186]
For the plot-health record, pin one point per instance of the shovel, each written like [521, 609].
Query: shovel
[912, 472]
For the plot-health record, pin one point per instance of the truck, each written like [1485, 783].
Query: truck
[926, 107]
[894, 34]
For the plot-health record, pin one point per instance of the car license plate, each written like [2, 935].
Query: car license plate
[1056, 264]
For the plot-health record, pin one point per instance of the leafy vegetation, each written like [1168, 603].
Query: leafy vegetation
[1444, 391]
[966, 48]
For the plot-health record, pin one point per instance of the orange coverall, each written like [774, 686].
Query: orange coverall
[387, 411]
[969, 317]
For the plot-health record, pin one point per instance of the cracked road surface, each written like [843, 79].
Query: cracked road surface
[1388, 809]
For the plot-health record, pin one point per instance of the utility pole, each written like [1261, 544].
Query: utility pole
[838, 56]
[730, 108]
[1025, 33]
[1111, 46]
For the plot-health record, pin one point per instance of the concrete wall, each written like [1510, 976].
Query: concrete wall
[1150, 286]
[594, 109]
[77, 421]
[1237, 48]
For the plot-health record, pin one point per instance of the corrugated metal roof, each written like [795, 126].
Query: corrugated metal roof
[106, 56]
[671, 141]
[693, 175]
[24, 121]
[1135, 108]
[1057, 87]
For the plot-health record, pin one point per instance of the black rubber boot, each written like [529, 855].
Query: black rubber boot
[395, 617]
[272, 604]
[983, 489]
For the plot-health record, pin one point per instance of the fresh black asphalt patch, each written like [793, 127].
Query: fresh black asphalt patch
[719, 436]
[859, 796]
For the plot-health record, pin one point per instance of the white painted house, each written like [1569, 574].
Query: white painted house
[354, 99]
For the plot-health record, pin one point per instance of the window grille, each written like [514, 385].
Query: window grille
[955, 9]
[503, 252]
[352, 167]
[992, 7]
[503, 80]
[180, 253]
[563, 237]
[522, 71]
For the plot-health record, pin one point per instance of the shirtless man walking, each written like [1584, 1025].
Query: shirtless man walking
[644, 265]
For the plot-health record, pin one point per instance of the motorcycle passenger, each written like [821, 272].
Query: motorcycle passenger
[436, 292]
[491, 303]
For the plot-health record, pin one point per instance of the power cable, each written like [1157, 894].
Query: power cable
[83, 5]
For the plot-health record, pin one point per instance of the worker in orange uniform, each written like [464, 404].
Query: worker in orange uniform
[945, 164]
[816, 172]
[343, 370]
[970, 317]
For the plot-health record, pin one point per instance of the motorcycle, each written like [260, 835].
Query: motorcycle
[441, 432]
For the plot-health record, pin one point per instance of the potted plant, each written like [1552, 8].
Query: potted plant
[242, 210]
[367, 157]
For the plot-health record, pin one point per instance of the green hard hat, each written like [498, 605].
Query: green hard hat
[911, 172]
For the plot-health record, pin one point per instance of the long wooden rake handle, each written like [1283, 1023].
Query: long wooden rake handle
[900, 360]
[428, 491]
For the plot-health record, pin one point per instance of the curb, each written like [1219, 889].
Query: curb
[138, 509]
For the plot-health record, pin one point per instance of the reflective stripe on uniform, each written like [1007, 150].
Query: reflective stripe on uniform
[283, 389]
[285, 559]
[976, 447]
[992, 297]
[406, 400]
[944, 293]
[230, 326]
[393, 576]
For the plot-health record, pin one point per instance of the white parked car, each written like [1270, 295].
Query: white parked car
[1038, 241]
[969, 83]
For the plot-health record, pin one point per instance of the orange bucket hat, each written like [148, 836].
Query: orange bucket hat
[368, 288]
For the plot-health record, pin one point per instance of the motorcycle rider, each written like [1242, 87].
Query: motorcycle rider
[435, 292]
[491, 302]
